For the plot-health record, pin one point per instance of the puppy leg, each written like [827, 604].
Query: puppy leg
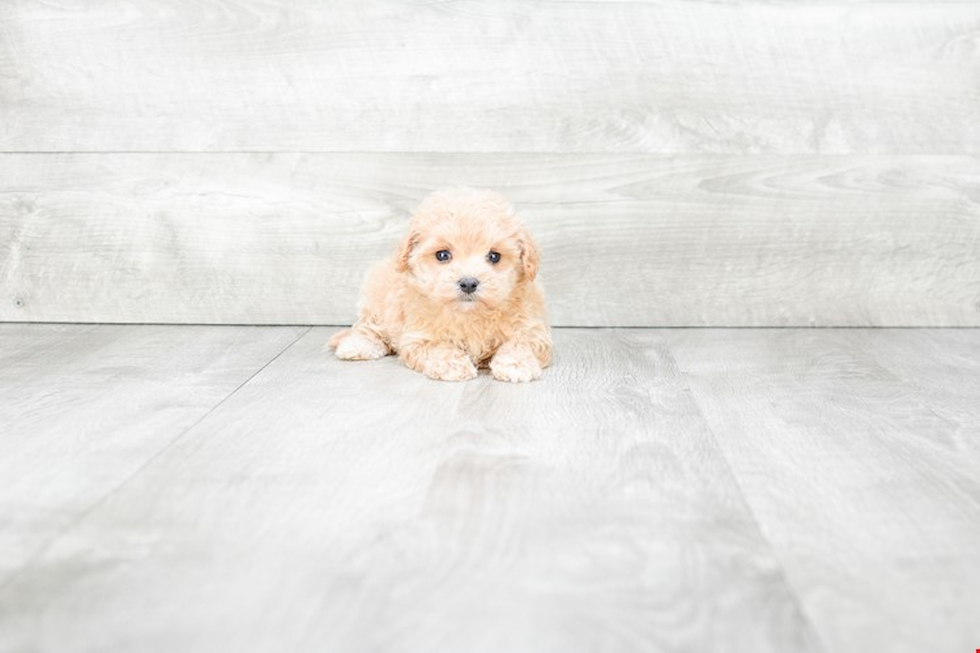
[439, 361]
[337, 337]
[359, 344]
[522, 359]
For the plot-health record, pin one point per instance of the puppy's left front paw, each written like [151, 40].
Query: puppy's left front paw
[515, 369]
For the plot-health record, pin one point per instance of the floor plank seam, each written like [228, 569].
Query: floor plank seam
[30, 562]
[814, 636]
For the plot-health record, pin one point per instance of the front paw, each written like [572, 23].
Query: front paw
[356, 346]
[449, 367]
[515, 369]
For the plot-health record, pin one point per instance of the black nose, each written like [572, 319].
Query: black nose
[468, 284]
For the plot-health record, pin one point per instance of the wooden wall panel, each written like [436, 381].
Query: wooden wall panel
[668, 76]
[756, 163]
[628, 239]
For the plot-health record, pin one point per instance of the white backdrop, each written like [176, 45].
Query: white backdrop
[681, 162]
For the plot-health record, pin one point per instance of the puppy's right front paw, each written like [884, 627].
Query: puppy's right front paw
[515, 369]
[450, 368]
[358, 347]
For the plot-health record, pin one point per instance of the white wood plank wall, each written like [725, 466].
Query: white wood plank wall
[683, 162]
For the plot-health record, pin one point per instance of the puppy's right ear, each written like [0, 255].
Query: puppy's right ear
[405, 251]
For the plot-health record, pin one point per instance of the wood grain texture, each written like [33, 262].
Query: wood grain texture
[82, 408]
[865, 482]
[630, 240]
[671, 76]
[362, 507]
[942, 369]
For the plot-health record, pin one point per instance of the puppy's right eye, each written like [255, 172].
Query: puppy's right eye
[443, 255]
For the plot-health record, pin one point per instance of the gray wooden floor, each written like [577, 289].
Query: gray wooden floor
[238, 489]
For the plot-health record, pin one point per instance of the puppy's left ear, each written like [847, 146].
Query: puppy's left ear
[530, 257]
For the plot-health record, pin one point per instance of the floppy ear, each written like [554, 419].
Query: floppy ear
[405, 251]
[530, 258]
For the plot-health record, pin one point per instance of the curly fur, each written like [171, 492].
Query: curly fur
[412, 305]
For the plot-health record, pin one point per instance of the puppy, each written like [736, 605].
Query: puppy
[459, 294]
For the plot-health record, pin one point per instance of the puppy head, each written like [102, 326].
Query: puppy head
[468, 248]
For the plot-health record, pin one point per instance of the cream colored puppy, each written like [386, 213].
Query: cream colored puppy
[459, 294]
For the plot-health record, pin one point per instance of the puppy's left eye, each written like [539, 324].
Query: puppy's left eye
[494, 257]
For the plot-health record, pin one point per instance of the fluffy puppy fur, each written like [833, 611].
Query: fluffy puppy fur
[421, 303]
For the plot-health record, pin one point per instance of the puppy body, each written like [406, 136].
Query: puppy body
[425, 310]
